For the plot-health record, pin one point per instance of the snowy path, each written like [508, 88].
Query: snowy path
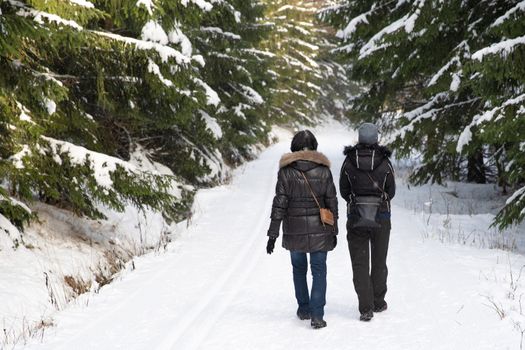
[216, 288]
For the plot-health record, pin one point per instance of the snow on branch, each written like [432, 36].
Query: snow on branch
[305, 44]
[83, 3]
[466, 135]
[427, 106]
[426, 111]
[519, 195]
[442, 70]
[176, 36]
[519, 7]
[308, 59]
[204, 5]
[296, 8]
[155, 69]
[259, 52]
[147, 4]
[164, 51]
[352, 25]
[502, 48]
[211, 95]
[251, 95]
[101, 164]
[153, 31]
[40, 16]
[408, 22]
[331, 9]
[212, 125]
[219, 31]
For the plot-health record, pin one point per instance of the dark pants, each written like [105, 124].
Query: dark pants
[314, 303]
[366, 245]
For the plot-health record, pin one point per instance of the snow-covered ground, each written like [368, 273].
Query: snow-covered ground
[215, 287]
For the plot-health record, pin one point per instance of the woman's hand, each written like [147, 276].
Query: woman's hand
[270, 245]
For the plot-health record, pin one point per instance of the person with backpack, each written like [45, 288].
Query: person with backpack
[367, 184]
[306, 203]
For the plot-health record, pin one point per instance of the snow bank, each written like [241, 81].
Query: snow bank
[61, 255]
[470, 297]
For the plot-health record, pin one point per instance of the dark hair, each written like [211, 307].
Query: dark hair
[304, 140]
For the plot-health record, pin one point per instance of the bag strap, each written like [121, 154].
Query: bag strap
[311, 191]
[376, 185]
[313, 194]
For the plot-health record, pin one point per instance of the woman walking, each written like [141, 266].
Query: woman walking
[367, 183]
[304, 188]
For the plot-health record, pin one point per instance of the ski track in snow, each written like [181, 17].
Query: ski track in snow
[215, 287]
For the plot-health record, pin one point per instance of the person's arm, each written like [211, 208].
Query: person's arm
[345, 187]
[331, 198]
[279, 206]
[390, 184]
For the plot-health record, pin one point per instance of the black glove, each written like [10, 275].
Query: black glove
[335, 241]
[270, 245]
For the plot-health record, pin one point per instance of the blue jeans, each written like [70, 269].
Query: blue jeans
[315, 303]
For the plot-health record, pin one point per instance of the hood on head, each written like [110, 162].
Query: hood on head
[368, 134]
[366, 157]
[304, 160]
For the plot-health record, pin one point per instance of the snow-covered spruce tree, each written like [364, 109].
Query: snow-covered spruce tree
[306, 84]
[88, 84]
[84, 84]
[443, 79]
[227, 38]
[156, 108]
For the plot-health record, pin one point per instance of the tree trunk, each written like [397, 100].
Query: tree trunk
[476, 168]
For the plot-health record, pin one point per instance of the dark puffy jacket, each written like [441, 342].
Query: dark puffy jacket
[294, 205]
[363, 159]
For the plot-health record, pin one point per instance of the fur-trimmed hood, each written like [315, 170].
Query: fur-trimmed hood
[310, 156]
[382, 149]
[367, 157]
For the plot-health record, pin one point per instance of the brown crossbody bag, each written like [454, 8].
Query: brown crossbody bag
[327, 217]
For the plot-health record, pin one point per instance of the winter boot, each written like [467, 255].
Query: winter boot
[317, 323]
[366, 316]
[303, 315]
[381, 308]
